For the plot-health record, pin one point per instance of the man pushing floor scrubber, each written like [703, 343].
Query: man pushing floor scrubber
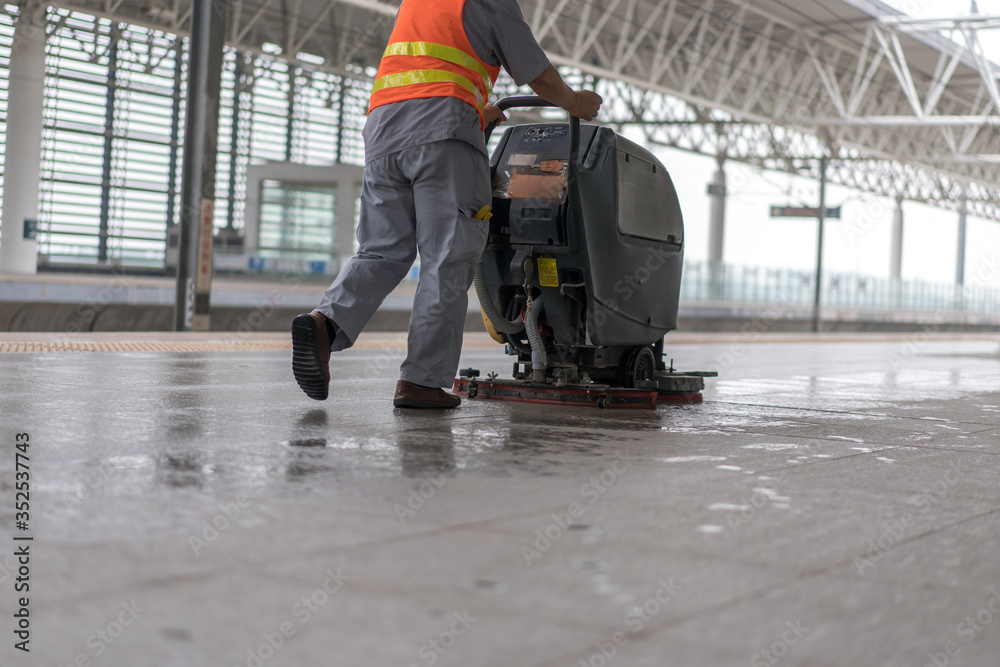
[427, 187]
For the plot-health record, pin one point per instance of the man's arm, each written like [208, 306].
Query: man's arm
[549, 85]
[503, 36]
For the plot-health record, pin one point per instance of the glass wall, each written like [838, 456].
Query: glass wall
[114, 127]
[297, 221]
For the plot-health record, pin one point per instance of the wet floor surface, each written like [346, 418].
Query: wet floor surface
[828, 504]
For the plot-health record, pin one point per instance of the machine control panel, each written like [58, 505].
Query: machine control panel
[535, 166]
[545, 139]
[531, 185]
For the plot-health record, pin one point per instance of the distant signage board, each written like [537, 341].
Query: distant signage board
[803, 212]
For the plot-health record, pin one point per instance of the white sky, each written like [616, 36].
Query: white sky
[930, 236]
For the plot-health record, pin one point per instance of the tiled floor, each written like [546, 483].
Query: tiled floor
[831, 503]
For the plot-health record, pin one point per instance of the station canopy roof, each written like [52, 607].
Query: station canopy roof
[857, 74]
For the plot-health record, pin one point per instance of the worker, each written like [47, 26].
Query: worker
[427, 187]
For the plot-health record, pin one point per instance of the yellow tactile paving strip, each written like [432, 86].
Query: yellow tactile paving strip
[139, 346]
[34, 343]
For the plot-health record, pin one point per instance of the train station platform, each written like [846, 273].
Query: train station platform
[832, 502]
[59, 302]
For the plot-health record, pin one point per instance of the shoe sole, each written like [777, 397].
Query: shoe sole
[306, 365]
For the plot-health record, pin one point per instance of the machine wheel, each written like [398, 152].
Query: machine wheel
[639, 367]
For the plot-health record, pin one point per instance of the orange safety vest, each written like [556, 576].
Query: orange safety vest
[429, 55]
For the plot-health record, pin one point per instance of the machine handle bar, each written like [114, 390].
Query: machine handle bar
[574, 202]
[533, 101]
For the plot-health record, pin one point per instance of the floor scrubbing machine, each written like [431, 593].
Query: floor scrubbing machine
[581, 275]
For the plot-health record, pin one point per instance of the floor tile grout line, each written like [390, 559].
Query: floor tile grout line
[882, 446]
[667, 624]
[844, 412]
[432, 532]
[388, 592]
[909, 540]
[147, 584]
[955, 450]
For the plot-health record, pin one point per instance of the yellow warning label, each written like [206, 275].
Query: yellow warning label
[548, 274]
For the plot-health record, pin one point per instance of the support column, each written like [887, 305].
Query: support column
[717, 231]
[23, 148]
[109, 147]
[170, 258]
[896, 261]
[343, 239]
[340, 120]
[194, 266]
[234, 138]
[817, 321]
[963, 218]
[717, 214]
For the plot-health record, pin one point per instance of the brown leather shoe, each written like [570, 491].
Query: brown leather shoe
[311, 338]
[409, 395]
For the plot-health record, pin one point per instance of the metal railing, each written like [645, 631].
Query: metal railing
[727, 283]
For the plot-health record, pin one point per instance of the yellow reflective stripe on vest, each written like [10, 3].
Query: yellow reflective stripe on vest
[441, 52]
[419, 76]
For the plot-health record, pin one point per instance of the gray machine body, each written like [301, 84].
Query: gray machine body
[604, 249]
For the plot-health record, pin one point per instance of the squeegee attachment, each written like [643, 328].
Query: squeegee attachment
[674, 389]
[526, 392]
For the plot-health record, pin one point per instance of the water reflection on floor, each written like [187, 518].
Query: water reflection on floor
[207, 488]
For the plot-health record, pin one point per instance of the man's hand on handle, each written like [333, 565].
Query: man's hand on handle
[550, 86]
[587, 104]
[494, 115]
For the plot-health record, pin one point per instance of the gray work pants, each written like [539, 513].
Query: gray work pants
[422, 199]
